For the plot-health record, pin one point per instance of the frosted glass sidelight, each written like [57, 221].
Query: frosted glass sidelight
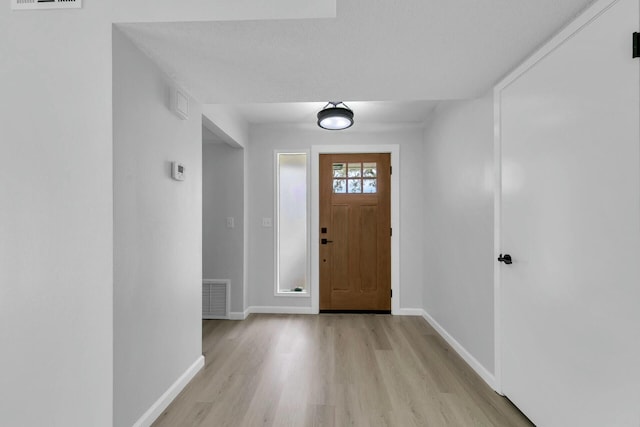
[292, 223]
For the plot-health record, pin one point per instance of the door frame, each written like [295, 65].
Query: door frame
[588, 15]
[394, 151]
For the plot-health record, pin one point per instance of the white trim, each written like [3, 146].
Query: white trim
[394, 150]
[497, 241]
[593, 12]
[239, 315]
[281, 310]
[167, 397]
[293, 294]
[245, 231]
[410, 312]
[305, 310]
[462, 352]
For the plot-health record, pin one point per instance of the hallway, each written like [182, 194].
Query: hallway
[334, 370]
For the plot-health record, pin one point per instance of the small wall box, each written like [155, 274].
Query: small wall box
[179, 103]
[178, 171]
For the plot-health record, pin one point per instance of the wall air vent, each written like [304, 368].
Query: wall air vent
[45, 4]
[215, 299]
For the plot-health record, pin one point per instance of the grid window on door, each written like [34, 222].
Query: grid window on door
[355, 178]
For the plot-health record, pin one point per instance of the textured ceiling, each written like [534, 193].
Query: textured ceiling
[375, 50]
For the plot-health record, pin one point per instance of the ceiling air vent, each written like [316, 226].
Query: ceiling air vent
[45, 4]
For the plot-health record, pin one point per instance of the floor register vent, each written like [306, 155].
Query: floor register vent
[215, 299]
[45, 4]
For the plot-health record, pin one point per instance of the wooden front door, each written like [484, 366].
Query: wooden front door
[355, 232]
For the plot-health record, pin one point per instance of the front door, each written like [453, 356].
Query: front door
[355, 232]
[571, 224]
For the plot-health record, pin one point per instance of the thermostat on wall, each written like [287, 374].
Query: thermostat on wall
[177, 171]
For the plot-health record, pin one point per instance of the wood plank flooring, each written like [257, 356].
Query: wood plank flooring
[334, 370]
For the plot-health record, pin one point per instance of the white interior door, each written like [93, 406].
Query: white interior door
[570, 219]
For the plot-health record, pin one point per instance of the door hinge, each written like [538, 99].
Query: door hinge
[390, 170]
[391, 293]
[636, 45]
[391, 232]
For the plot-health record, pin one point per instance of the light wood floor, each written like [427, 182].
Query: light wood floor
[334, 370]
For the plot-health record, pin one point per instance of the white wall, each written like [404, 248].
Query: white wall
[264, 139]
[223, 197]
[56, 217]
[157, 235]
[458, 202]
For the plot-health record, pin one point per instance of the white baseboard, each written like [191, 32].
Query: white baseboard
[281, 310]
[409, 312]
[238, 315]
[487, 376]
[241, 315]
[163, 402]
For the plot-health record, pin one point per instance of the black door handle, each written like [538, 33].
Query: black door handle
[506, 259]
[325, 241]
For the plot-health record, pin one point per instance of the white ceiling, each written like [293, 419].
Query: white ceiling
[375, 50]
[365, 112]
[368, 115]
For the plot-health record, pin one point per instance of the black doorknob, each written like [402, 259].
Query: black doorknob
[506, 259]
[325, 241]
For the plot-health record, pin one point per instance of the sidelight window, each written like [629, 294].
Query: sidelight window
[292, 266]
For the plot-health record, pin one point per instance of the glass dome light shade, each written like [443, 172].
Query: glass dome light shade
[335, 118]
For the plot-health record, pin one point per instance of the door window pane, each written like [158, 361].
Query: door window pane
[355, 170]
[370, 186]
[369, 170]
[339, 186]
[355, 186]
[348, 178]
[339, 170]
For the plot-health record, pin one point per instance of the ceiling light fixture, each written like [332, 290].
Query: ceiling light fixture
[333, 117]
